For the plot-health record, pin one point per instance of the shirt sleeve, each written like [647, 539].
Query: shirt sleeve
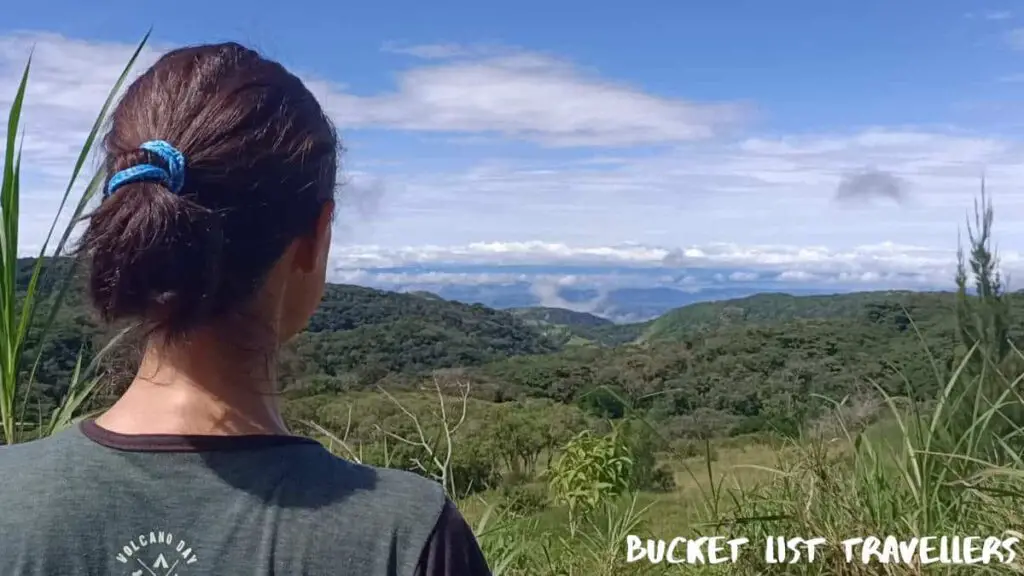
[452, 549]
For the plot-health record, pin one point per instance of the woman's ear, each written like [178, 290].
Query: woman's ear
[324, 232]
[313, 249]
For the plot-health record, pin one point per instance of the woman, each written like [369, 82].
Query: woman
[213, 235]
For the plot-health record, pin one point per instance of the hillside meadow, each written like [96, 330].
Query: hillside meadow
[560, 434]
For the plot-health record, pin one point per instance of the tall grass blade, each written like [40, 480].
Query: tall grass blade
[15, 326]
[91, 188]
[10, 338]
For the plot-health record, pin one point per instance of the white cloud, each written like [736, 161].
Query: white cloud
[526, 95]
[1015, 38]
[431, 264]
[990, 15]
[68, 82]
[762, 190]
[509, 253]
[434, 278]
[744, 276]
[445, 51]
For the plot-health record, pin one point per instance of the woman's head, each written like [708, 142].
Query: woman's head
[259, 162]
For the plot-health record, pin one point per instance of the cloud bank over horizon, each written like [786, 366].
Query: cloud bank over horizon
[537, 273]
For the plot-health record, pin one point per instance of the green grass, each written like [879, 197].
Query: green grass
[911, 474]
[858, 486]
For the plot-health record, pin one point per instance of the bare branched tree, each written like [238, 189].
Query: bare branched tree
[436, 462]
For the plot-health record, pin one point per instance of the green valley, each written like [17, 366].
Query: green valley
[763, 363]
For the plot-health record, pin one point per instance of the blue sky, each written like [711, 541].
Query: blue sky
[810, 65]
[803, 140]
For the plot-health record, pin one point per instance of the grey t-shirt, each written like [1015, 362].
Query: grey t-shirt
[88, 501]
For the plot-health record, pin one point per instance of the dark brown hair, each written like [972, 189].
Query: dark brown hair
[261, 160]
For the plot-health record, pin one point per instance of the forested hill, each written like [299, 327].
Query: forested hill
[356, 330]
[367, 334]
[575, 328]
[547, 315]
[762, 309]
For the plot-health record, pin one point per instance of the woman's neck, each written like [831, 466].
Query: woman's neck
[204, 386]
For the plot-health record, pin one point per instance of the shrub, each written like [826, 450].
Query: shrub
[591, 469]
[662, 479]
[523, 500]
[473, 468]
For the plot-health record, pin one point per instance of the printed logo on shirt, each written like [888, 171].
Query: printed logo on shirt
[156, 554]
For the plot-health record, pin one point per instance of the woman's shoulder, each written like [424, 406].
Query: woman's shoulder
[394, 509]
[403, 496]
[433, 535]
[401, 487]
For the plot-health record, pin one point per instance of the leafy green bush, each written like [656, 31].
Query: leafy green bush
[590, 470]
[474, 468]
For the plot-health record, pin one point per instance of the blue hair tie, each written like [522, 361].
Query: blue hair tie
[173, 177]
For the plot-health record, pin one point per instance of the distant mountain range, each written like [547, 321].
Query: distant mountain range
[623, 305]
[622, 294]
